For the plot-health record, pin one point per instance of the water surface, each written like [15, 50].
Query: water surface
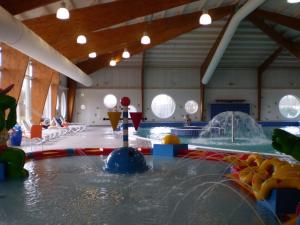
[75, 190]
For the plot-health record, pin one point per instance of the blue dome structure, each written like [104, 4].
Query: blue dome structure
[126, 160]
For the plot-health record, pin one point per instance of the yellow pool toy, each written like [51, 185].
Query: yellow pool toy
[261, 175]
[170, 139]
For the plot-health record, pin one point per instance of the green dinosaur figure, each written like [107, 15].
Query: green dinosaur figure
[286, 142]
[14, 158]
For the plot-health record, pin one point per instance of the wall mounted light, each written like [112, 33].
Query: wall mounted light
[205, 18]
[113, 62]
[126, 54]
[145, 40]
[81, 39]
[63, 13]
[92, 55]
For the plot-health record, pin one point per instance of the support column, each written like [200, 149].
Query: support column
[54, 92]
[259, 80]
[202, 97]
[142, 84]
[71, 84]
[260, 70]
[41, 80]
[205, 65]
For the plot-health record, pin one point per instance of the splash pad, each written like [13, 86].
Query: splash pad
[125, 160]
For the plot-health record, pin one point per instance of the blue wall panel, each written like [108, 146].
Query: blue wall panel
[215, 109]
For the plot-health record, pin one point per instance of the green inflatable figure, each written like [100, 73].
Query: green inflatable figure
[286, 142]
[14, 158]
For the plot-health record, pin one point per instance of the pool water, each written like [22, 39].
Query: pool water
[76, 190]
[262, 145]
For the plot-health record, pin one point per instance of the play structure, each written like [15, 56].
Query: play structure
[170, 146]
[274, 183]
[125, 160]
[11, 159]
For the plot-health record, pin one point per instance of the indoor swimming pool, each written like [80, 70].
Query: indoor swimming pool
[261, 144]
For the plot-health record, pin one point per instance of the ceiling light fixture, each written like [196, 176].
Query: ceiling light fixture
[126, 54]
[293, 1]
[113, 62]
[145, 40]
[81, 39]
[93, 55]
[205, 18]
[63, 13]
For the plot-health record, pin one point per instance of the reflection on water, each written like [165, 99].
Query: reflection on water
[175, 191]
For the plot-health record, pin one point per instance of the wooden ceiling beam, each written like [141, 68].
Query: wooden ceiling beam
[19, 6]
[97, 17]
[284, 20]
[108, 41]
[159, 34]
[14, 65]
[292, 47]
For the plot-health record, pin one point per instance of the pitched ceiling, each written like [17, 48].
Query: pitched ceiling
[173, 45]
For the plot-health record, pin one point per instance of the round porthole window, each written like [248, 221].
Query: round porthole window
[163, 106]
[289, 106]
[191, 107]
[110, 101]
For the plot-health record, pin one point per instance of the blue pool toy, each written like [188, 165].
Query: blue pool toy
[16, 136]
[282, 201]
[125, 160]
[168, 149]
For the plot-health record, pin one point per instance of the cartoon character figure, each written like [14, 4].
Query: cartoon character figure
[13, 158]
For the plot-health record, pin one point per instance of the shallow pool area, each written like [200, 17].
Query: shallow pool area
[261, 145]
[76, 190]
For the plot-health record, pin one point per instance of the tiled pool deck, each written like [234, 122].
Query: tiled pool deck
[92, 137]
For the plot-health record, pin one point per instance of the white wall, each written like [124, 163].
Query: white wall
[125, 77]
[93, 100]
[182, 84]
[181, 96]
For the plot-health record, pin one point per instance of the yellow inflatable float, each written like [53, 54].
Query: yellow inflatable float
[263, 175]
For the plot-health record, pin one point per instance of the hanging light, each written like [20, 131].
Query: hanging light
[145, 40]
[92, 55]
[113, 62]
[293, 1]
[63, 13]
[81, 39]
[126, 54]
[205, 18]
